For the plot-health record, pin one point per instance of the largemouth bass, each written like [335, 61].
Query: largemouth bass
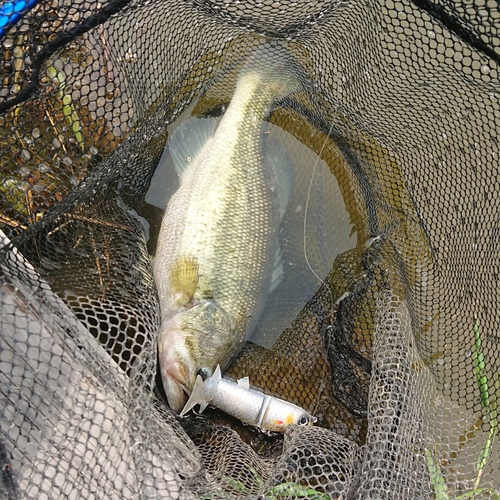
[218, 254]
[248, 405]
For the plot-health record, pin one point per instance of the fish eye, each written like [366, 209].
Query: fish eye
[303, 420]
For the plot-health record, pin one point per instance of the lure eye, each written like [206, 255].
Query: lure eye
[303, 420]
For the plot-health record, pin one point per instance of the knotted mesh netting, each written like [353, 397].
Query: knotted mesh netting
[385, 326]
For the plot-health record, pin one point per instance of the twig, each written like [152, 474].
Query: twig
[4, 219]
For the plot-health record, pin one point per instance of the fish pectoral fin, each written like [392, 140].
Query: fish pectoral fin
[197, 397]
[244, 382]
[188, 140]
[183, 280]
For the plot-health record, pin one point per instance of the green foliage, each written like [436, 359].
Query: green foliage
[489, 399]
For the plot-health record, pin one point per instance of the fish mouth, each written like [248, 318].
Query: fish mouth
[175, 378]
[174, 363]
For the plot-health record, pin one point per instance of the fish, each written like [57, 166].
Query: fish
[249, 405]
[218, 255]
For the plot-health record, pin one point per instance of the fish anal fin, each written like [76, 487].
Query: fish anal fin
[184, 280]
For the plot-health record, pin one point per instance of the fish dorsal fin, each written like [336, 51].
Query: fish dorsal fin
[188, 140]
[183, 280]
[244, 382]
[277, 275]
[281, 165]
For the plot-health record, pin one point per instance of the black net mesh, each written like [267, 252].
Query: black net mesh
[385, 326]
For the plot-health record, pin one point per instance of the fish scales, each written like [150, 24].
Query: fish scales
[219, 237]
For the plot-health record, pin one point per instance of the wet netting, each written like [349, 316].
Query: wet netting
[387, 331]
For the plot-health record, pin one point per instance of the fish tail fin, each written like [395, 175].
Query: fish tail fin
[203, 392]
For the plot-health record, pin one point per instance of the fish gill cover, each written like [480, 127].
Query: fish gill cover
[392, 340]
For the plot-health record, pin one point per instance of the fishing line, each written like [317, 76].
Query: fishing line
[306, 211]
[305, 249]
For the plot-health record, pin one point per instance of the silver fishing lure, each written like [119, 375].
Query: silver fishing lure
[248, 405]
